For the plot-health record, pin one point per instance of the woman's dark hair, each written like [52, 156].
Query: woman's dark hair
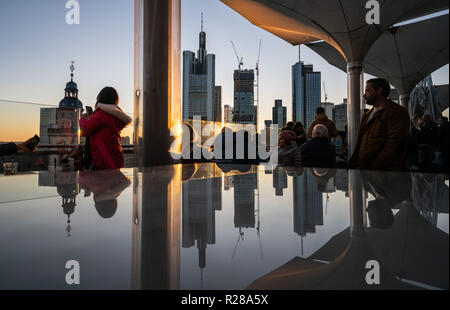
[290, 125]
[320, 110]
[108, 95]
[106, 208]
[299, 124]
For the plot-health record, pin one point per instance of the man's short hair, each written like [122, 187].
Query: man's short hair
[383, 84]
[320, 110]
[320, 131]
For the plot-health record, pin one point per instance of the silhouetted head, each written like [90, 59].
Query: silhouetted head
[285, 137]
[380, 214]
[320, 131]
[290, 125]
[376, 90]
[320, 110]
[426, 120]
[299, 127]
[108, 95]
[106, 208]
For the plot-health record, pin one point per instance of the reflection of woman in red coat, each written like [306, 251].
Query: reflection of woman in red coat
[103, 128]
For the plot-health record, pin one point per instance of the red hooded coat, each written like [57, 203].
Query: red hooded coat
[103, 131]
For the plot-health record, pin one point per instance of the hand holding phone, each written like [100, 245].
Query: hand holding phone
[32, 143]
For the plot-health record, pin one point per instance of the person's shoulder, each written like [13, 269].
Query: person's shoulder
[305, 145]
[397, 108]
[104, 115]
[399, 111]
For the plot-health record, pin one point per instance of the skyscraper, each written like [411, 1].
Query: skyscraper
[328, 106]
[306, 93]
[244, 112]
[199, 83]
[227, 114]
[340, 116]
[279, 114]
[218, 103]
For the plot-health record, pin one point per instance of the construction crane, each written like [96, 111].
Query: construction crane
[325, 92]
[240, 64]
[257, 85]
[240, 61]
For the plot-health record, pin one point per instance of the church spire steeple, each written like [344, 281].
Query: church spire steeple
[71, 93]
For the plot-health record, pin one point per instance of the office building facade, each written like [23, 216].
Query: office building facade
[199, 97]
[218, 104]
[244, 111]
[306, 93]
[279, 114]
[328, 106]
[227, 114]
[340, 116]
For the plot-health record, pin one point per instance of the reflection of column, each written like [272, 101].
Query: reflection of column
[156, 79]
[201, 198]
[356, 203]
[244, 200]
[156, 222]
[279, 181]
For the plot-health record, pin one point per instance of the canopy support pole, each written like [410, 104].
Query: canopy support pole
[354, 72]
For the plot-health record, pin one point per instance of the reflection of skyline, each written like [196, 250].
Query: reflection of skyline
[157, 253]
[308, 204]
[228, 182]
[201, 198]
[279, 181]
[341, 181]
[244, 200]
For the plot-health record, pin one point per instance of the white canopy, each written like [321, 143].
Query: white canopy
[342, 24]
[403, 55]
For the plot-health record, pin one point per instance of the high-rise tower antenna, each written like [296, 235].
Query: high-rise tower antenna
[202, 43]
[257, 86]
[202, 22]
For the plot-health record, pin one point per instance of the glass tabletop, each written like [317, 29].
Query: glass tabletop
[228, 227]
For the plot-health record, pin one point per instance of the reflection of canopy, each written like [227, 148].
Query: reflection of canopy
[342, 24]
[411, 249]
[404, 55]
[347, 271]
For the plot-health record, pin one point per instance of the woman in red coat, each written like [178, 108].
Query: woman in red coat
[103, 129]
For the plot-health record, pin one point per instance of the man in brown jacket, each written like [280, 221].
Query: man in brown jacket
[384, 131]
[321, 118]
